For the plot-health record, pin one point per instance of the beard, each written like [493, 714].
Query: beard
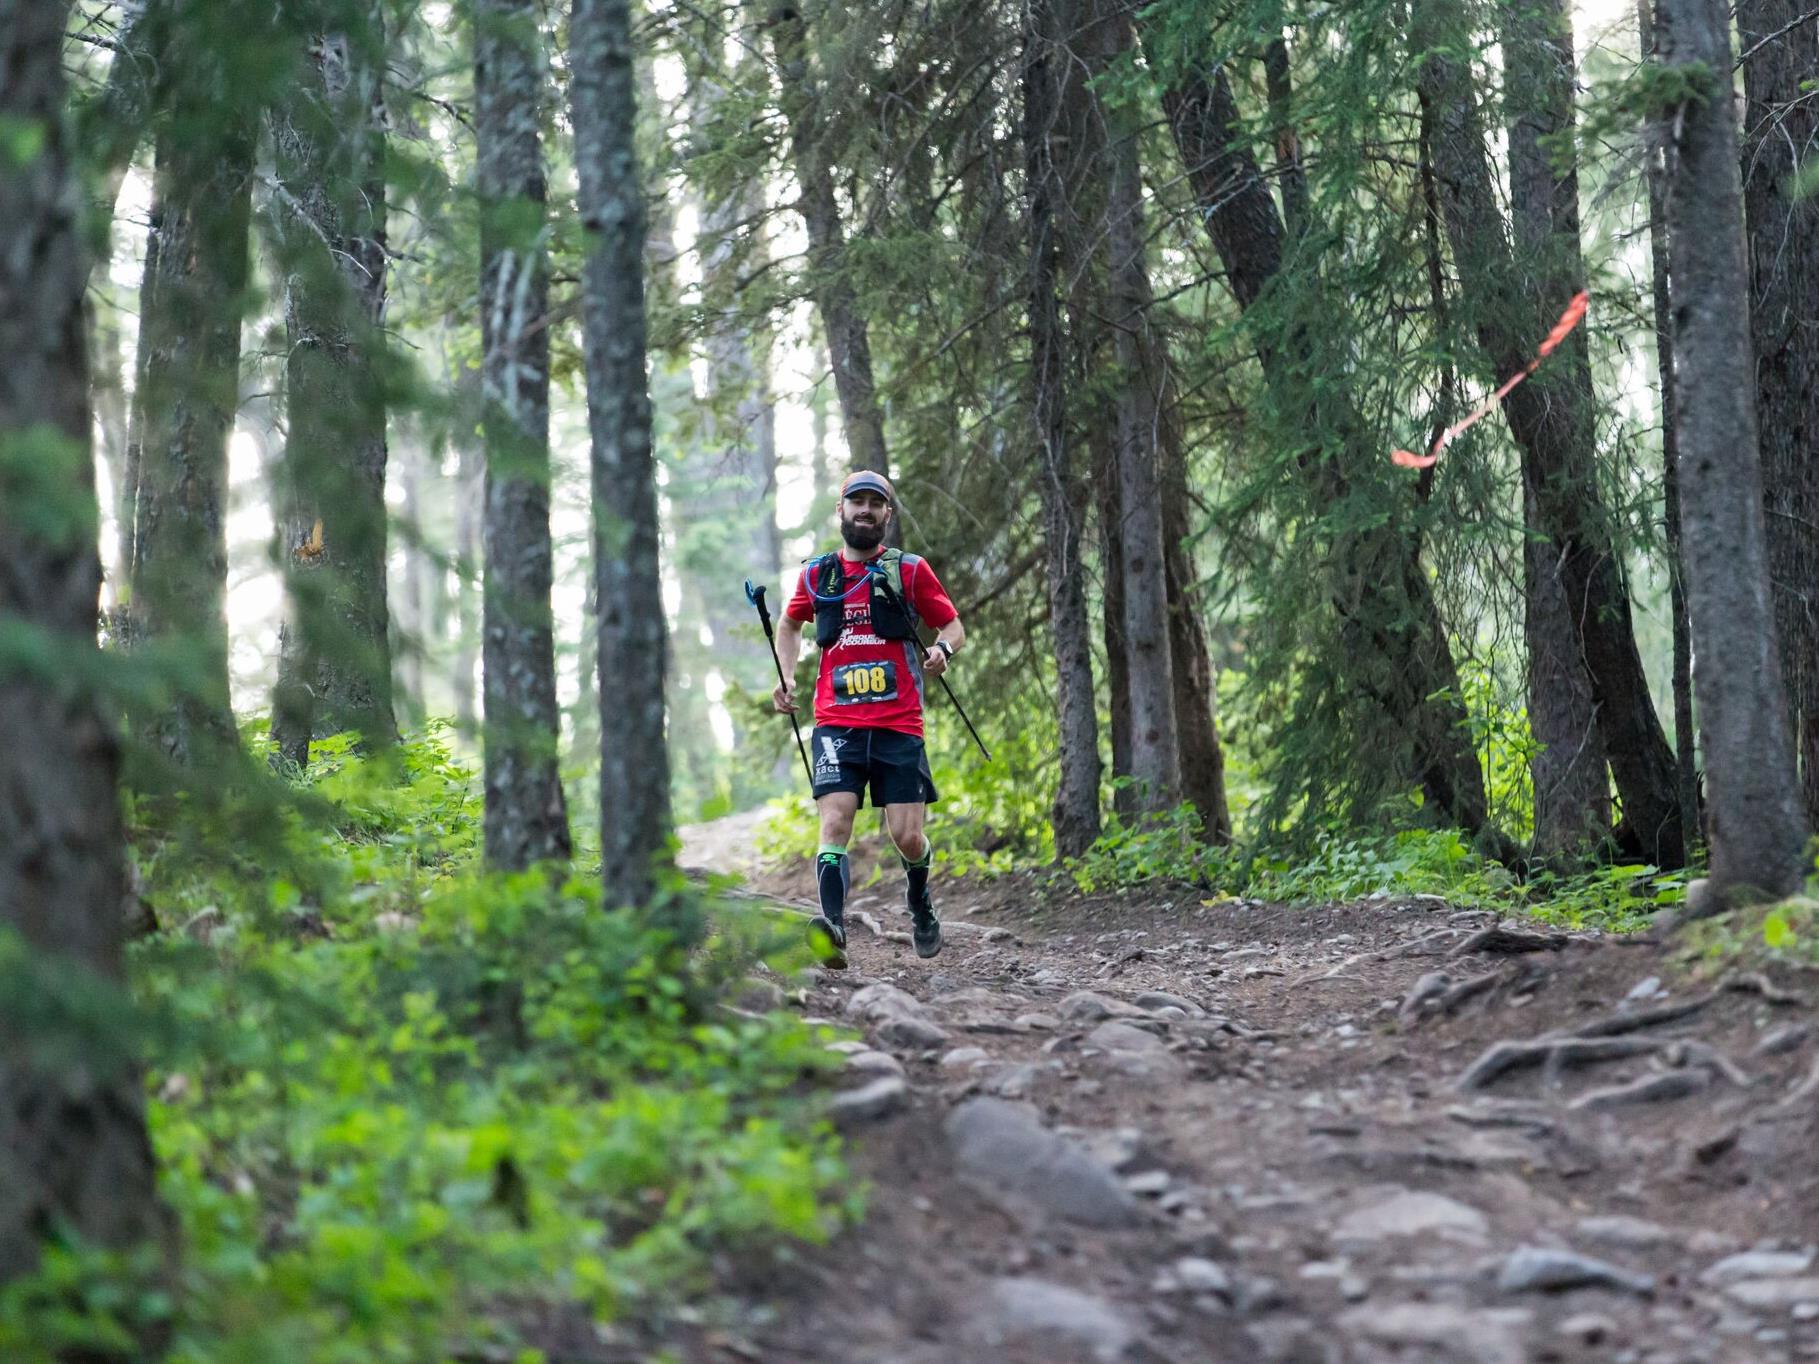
[864, 539]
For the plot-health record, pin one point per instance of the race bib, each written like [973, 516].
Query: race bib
[857, 683]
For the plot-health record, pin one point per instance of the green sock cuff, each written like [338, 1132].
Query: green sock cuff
[834, 850]
[927, 858]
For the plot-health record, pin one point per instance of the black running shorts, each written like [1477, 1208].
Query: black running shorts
[893, 764]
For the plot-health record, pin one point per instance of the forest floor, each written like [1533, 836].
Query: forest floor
[1151, 1127]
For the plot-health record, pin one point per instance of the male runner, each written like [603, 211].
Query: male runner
[866, 602]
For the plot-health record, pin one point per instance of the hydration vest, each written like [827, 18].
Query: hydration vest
[892, 615]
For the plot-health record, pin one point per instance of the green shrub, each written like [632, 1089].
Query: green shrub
[396, 1139]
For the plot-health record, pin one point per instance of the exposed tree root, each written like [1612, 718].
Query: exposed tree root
[1659, 1087]
[1509, 941]
[1634, 1020]
[1556, 1053]
[1754, 982]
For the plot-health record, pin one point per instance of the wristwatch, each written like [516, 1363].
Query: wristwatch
[945, 647]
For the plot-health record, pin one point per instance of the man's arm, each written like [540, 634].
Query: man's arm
[789, 648]
[953, 634]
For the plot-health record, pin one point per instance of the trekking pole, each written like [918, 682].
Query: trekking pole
[963, 717]
[755, 595]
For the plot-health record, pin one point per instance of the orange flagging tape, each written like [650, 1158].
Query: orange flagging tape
[1408, 459]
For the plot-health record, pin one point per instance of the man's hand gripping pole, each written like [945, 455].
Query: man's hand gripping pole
[755, 595]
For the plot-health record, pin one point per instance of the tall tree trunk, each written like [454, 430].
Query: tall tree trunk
[1389, 621]
[1076, 808]
[1552, 415]
[526, 816]
[634, 757]
[1781, 128]
[183, 410]
[1097, 432]
[334, 667]
[1191, 662]
[1155, 752]
[848, 334]
[1685, 743]
[1572, 790]
[1756, 823]
[72, 1130]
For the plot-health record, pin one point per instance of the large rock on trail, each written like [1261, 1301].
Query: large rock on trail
[1461, 1335]
[897, 1017]
[1544, 1269]
[1019, 1164]
[1409, 1212]
[1073, 1325]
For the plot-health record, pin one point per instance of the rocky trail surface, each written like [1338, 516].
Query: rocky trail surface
[1171, 1130]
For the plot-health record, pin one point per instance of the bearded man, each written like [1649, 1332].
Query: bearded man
[867, 603]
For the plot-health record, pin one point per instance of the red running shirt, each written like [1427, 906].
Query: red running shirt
[867, 682]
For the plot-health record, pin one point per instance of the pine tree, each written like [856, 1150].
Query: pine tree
[634, 759]
[1076, 808]
[1781, 41]
[1552, 414]
[526, 815]
[334, 667]
[1393, 654]
[1755, 819]
[73, 1143]
[189, 373]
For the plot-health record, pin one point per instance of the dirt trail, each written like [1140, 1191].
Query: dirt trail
[1165, 1130]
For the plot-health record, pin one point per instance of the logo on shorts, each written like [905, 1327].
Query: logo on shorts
[827, 762]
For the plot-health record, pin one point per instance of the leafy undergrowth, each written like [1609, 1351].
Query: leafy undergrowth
[1785, 933]
[405, 1111]
[1339, 866]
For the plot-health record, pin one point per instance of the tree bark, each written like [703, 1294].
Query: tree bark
[184, 406]
[1390, 624]
[1551, 415]
[1572, 789]
[1568, 772]
[1685, 745]
[526, 818]
[634, 758]
[1076, 809]
[1780, 130]
[334, 667]
[1756, 823]
[848, 334]
[73, 1142]
[1155, 744]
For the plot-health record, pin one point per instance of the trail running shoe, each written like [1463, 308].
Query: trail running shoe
[828, 939]
[925, 927]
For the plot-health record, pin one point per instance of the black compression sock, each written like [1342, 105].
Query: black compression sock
[831, 879]
[917, 872]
